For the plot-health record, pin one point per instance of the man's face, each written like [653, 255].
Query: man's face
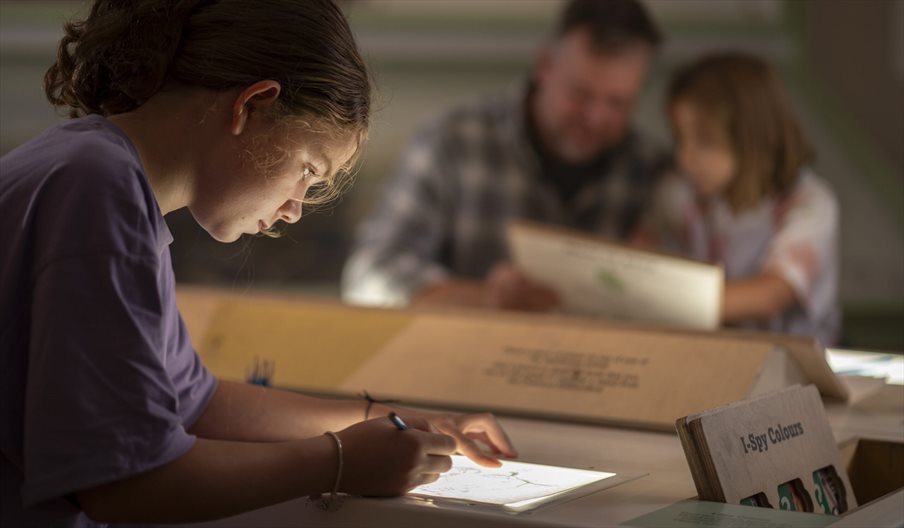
[584, 97]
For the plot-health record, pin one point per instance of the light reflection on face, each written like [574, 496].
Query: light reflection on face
[245, 189]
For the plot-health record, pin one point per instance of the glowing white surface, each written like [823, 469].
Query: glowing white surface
[873, 364]
[515, 485]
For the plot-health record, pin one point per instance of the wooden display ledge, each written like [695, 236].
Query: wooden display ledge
[545, 366]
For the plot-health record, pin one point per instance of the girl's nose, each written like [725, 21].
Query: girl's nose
[290, 212]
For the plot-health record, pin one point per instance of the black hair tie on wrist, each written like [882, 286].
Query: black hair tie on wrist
[371, 401]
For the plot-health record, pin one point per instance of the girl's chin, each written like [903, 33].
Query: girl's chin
[220, 231]
[223, 235]
[226, 240]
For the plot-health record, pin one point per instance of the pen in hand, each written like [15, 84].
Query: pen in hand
[397, 421]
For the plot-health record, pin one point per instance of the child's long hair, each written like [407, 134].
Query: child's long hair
[744, 95]
[124, 52]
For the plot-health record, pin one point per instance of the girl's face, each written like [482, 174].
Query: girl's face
[703, 149]
[252, 181]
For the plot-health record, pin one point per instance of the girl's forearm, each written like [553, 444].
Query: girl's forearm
[759, 297]
[452, 292]
[251, 413]
[216, 479]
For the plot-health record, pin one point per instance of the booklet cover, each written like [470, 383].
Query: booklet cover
[774, 451]
[602, 278]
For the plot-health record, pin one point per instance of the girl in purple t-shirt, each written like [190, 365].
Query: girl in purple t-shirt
[747, 200]
[242, 112]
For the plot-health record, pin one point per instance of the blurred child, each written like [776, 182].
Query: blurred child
[235, 109]
[747, 198]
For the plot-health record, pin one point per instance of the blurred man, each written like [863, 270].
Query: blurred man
[558, 150]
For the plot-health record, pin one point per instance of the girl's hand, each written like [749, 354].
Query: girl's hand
[509, 289]
[381, 460]
[468, 429]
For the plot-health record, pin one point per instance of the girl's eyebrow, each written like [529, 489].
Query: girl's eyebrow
[320, 157]
[327, 168]
[326, 164]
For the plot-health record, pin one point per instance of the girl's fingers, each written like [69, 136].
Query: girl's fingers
[437, 464]
[468, 448]
[437, 443]
[415, 423]
[485, 440]
[486, 423]
[424, 478]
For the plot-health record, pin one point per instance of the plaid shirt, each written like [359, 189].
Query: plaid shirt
[462, 179]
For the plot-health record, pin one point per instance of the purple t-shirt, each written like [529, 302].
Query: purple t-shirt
[98, 378]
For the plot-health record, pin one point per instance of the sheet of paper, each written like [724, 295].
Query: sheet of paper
[515, 486]
[598, 278]
[700, 513]
[862, 387]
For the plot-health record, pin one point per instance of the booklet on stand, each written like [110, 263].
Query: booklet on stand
[774, 451]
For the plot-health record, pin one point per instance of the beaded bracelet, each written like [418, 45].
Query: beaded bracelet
[330, 502]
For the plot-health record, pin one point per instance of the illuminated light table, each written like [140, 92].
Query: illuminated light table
[657, 455]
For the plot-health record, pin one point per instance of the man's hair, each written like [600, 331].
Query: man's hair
[612, 24]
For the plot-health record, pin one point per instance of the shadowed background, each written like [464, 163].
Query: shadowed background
[842, 60]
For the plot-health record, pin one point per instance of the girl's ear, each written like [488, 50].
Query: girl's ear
[259, 95]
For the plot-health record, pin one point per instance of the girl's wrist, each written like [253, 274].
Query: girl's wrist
[380, 410]
[374, 407]
[331, 501]
[316, 463]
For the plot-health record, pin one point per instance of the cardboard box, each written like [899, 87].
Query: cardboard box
[875, 467]
[876, 470]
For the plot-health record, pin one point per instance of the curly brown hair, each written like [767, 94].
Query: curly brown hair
[125, 51]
